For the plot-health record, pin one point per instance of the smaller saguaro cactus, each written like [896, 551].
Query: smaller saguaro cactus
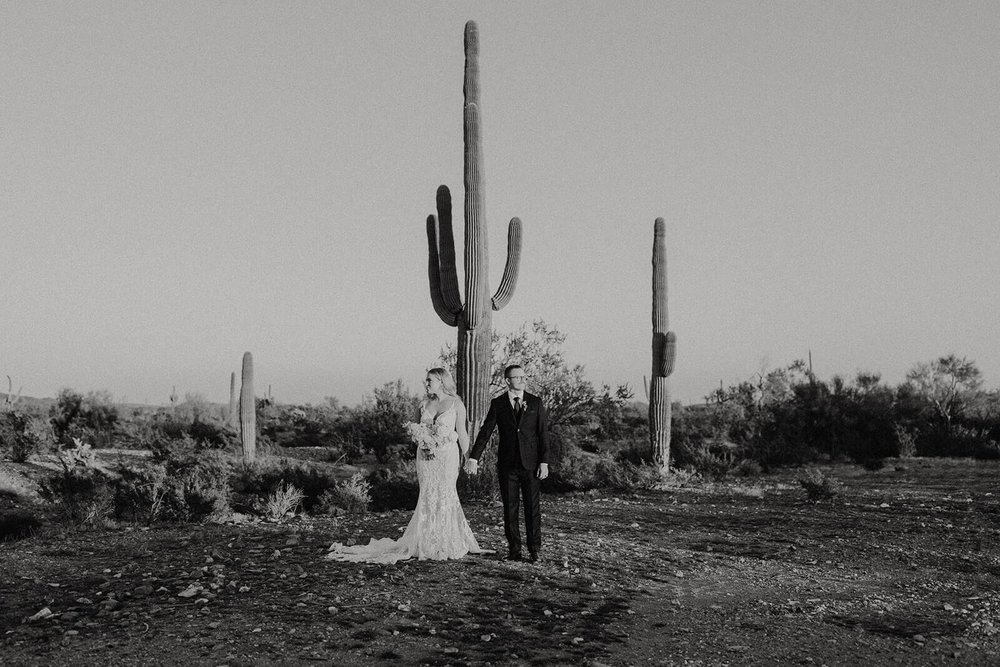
[11, 399]
[233, 415]
[664, 352]
[248, 411]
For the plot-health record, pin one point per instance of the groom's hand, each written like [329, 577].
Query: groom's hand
[543, 471]
[472, 467]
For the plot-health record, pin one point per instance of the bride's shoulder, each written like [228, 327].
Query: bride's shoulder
[456, 404]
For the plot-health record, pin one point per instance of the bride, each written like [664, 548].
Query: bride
[438, 529]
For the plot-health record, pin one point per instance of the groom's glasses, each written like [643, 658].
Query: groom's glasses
[516, 377]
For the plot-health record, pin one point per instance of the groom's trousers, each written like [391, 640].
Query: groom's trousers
[516, 485]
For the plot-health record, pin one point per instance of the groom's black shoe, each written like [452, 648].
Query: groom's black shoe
[514, 555]
[533, 557]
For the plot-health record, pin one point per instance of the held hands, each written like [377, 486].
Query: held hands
[543, 471]
[472, 467]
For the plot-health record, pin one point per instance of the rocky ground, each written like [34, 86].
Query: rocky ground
[901, 567]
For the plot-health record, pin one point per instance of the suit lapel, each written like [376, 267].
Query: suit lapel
[524, 408]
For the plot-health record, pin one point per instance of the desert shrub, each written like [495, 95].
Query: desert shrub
[303, 425]
[23, 435]
[352, 496]
[818, 485]
[155, 430]
[284, 501]
[140, 492]
[906, 441]
[394, 486]
[213, 434]
[746, 468]
[79, 453]
[252, 484]
[80, 494]
[635, 452]
[574, 470]
[873, 464]
[196, 408]
[680, 477]
[966, 440]
[18, 524]
[702, 457]
[618, 417]
[200, 486]
[625, 475]
[196, 480]
[92, 417]
[376, 426]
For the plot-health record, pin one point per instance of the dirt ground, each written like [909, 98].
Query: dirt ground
[902, 567]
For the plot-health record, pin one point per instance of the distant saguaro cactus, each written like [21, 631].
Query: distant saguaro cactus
[664, 351]
[233, 416]
[10, 399]
[248, 411]
[473, 318]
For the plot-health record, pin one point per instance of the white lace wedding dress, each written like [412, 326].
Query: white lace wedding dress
[438, 529]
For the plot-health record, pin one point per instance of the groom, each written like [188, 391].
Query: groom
[522, 459]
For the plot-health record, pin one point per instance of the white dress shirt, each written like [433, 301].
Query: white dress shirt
[511, 395]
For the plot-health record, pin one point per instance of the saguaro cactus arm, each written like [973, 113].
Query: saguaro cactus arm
[505, 291]
[434, 276]
[446, 248]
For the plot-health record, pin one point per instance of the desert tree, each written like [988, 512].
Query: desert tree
[945, 383]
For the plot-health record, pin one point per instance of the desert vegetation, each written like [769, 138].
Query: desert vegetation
[97, 463]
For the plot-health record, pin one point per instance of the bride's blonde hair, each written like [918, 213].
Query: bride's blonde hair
[447, 383]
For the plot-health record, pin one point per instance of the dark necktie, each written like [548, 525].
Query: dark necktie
[517, 407]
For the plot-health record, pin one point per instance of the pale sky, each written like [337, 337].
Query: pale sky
[181, 182]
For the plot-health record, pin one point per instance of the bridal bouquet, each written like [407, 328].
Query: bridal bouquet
[425, 437]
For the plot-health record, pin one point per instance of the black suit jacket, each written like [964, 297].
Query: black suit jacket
[526, 439]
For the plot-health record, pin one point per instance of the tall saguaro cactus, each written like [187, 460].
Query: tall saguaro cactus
[664, 351]
[248, 411]
[474, 317]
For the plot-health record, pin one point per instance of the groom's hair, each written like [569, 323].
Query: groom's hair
[506, 371]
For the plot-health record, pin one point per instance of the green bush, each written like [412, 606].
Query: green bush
[394, 486]
[351, 496]
[873, 464]
[140, 492]
[81, 494]
[253, 484]
[284, 501]
[579, 470]
[623, 475]
[574, 470]
[18, 524]
[196, 480]
[294, 426]
[23, 435]
[818, 485]
[376, 426]
[91, 418]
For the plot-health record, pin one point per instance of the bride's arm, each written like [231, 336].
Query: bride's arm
[462, 429]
